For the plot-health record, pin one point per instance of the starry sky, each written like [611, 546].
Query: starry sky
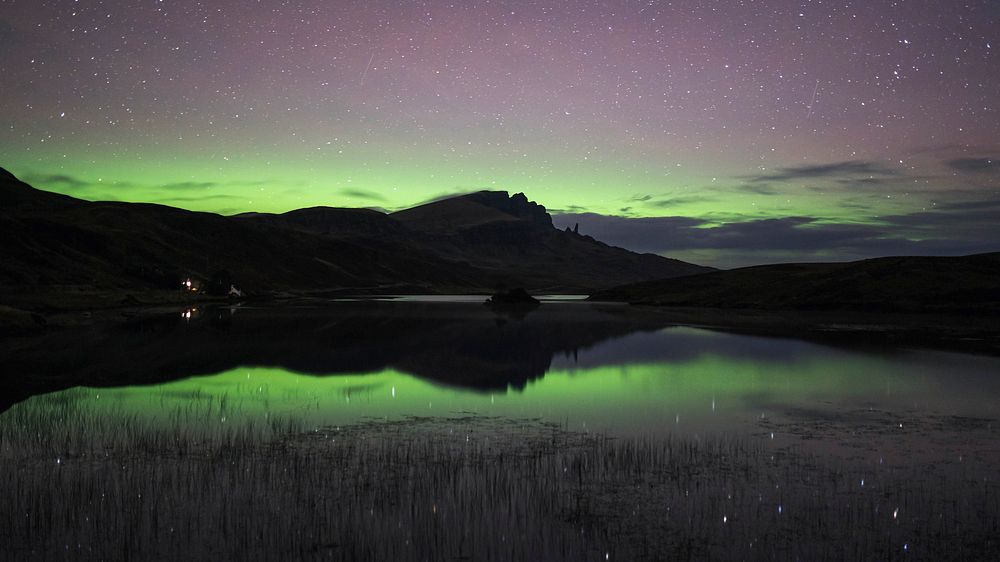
[724, 132]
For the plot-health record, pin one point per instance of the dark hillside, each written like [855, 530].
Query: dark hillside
[899, 284]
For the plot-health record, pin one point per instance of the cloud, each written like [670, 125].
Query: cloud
[905, 183]
[200, 199]
[61, 181]
[760, 188]
[569, 210]
[863, 181]
[643, 234]
[949, 229]
[975, 205]
[189, 185]
[833, 170]
[973, 220]
[362, 194]
[686, 200]
[442, 197]
[974, 165]
[68, 183]
[863, 204]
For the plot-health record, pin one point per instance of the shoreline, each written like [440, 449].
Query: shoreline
[978, 334]
[21, 316]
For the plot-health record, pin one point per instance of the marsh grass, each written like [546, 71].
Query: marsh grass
[81, 485]
[62, 425]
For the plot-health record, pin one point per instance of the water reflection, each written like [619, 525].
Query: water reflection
[461, 344]
[588, 366]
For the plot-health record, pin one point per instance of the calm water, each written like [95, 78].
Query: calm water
[672, 380]
[584, 366]
[368, 429]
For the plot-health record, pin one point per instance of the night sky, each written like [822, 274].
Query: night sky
[723, 132]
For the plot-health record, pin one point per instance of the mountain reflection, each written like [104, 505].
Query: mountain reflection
[459, 344]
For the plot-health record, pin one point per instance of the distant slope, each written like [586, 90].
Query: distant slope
[900, 284]
[467, 244]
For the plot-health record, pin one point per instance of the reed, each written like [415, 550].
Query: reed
[80, 485]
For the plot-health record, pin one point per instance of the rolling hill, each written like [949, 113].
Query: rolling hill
[892, 284]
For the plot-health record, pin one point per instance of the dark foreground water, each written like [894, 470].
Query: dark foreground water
[443, 430]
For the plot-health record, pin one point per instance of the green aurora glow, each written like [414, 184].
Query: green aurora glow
[706, 393]
[832, 117]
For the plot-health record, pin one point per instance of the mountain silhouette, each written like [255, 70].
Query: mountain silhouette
[471, 243]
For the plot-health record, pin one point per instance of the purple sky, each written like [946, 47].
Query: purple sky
[723, 132]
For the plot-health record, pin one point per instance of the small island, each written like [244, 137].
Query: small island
[513, 298]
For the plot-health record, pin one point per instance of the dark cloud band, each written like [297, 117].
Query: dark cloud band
[833, 170]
